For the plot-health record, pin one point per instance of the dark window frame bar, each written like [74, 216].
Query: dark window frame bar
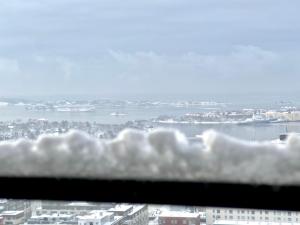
[152, 192]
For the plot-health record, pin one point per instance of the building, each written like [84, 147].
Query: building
[3, 203]
[250, 215]
[13, 217]
[34, 206]
[71, 208]
[284, 116]
[97, 217]
[1, 220]
[232, 222]
[179, 218]
[131, 214]
[82, 213]
[121, 210]
[18, 205]
[138, 216]
[52, 219]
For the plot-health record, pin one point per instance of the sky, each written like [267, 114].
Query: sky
[149, 48]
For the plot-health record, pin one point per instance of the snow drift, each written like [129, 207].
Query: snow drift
[160, 154]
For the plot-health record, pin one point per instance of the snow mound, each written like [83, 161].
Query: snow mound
[161, 154]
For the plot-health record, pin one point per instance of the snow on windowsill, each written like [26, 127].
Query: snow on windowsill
[162, 154]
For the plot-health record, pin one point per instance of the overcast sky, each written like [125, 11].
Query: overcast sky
[149, 47]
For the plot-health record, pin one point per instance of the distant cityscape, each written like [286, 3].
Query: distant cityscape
[105, 118]
[82, 213]
[33, 128]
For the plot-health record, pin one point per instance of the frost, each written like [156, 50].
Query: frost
[162, 154]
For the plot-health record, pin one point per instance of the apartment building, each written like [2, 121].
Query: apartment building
[51, 219]
[96, 217]
[18, 205]
[13, 217]
[179, 218]
[231, 222]
[138, 215]
[71, 208]
[250, 215]
[121, 210]
[118, 215]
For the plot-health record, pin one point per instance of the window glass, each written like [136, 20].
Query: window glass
[150, 89]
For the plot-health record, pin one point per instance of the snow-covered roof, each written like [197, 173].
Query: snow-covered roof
[50, 223]
[121, 208]
[55, 215]
[80, 204]
[11, 213]
[95, 215]
[3, 201]
[159, 154]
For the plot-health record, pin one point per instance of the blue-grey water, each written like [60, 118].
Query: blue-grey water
[100, 115]
[248, 132]
[103, 115]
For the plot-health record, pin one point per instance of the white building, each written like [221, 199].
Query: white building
[78, 208]
[250, 215]
[34, 206]
[121, 210]
[50, 219]
[12, 217]
[232, 222]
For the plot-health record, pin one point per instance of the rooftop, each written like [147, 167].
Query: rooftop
[95, 214]
[121, 208]
[2, 201]
[11, 213]
[54, 223]
[80, 204]
[56, 215]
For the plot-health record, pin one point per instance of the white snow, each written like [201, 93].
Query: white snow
[160, 154]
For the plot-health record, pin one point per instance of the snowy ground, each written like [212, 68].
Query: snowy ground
[160, 154]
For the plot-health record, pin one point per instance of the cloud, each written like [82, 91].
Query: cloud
[243, 69]
[241, 61]
[172, 46]
[88, 28]
[247, 68]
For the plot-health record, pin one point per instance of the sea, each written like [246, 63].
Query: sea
[104, 115]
